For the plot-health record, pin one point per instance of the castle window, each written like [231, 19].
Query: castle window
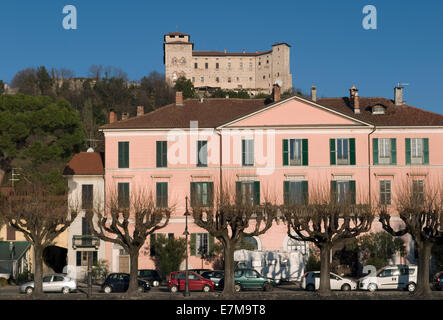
[202, 79]
[171, 36]
[216, 65]
[229, 65]
[181, 36]
[250, 65]
[174, 60]
[217, 79]
[195, 65]
[206, 65]
[238, 79]
[259, 63]
[267, 61]
[183, 60]
[241, 65]
[229, 79]
[193, 79]
[264, 77]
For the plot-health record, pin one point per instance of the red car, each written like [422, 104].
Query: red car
[196, 282]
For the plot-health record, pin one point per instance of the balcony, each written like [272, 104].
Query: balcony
[85, 241]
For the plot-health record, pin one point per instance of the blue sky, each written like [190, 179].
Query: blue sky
[329, 47]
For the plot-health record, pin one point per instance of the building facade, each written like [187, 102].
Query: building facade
[255, 72]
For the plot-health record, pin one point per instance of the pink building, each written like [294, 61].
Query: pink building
[280, 150]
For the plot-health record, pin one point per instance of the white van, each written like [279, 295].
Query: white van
[390, 277]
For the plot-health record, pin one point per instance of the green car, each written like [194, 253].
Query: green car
[246, 279]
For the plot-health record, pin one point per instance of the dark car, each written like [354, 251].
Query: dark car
[438, 281]
[177, 282]
[199, 271]
[246, 279]
[119, 282]
[214, 275]
[154, 277]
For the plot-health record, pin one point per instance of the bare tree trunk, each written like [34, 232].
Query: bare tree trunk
[38, 270]
[229, 269]
[133, 282]
[424, 256]
[325, 282]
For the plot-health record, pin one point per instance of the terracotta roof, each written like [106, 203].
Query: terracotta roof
[219, 53]
[176, 34]
[279, 43]
[210, 113]
[85, 163]
[404, 115]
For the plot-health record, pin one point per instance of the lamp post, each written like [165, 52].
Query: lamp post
[186, 233]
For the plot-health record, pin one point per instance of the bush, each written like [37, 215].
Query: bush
[100, 270]
[169, 253]
[313, 263]
[3, 282]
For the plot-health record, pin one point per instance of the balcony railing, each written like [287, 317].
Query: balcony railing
[85, 241]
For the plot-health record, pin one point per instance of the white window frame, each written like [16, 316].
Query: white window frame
[417, 154]
[384, 151]
[343, 161]
[387, 185]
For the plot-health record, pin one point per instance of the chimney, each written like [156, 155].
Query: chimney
[314, 93]
[225, 50]
[179, 98]
[398, 96]
[112, 116]
[354, 99]
[140, 110]
[276, 92]
[244, 51]
[125, 116]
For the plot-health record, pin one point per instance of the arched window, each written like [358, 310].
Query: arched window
[249, 243]
[182, 60]
[291, 245]
[174, 60]
[378, 109]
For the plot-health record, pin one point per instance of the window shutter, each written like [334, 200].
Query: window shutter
[334, 190]
[165, 153]
[193, 244]
[332, 150]
[193, 195]
[426, 150]
[393, 151]
[286, 192]
[94, 257]
[243, 153]
[238, 191]
[151, 244]
[408, 150]
[352, 151]
[123, 154]
[352, 190]
[375, 151]
[165, 194]
[158, 153]
[257, 193]
[79, 258]
[305, 152]
[211, 194]
[158, 195]
[285, 152]
[211, 245]
[304, 192]
[123, 195]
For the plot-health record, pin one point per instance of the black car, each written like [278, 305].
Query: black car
[154, 277]
[119, 282]
[214, 275]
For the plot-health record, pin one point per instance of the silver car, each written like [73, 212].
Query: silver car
[52, 283]
[311, 282]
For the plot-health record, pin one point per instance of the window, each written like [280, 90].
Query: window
[82, 258]
[295, 152]
[206, 65]
[296, 246]
[123, 195]
[295, 192]
[174, 60]
[251, 274]
[162, 154]
[248, 192]
[202, 194]
[343, 191]
[217, 79]
[202, 153]
[217, 65]
[417, 151]
[193, 79]
[342, 151]
[86, 229]
[238, 79]
[162, 194]
[202, 79]
[247, 152]
[195, 65]
[47, 278]
[229, 65]
[250, 65]
[385, 192]
[229, 79]
[183, 60]
[385, 273]
[378, 109]
[241, 65]
[201, 244]
[418, 190]
[58, 278]
[123, 154]
[250, 78]
[264, 77]
[384, 151]
[87, 196]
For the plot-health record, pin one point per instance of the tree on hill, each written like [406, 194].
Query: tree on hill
[220, 93]
[185, 85]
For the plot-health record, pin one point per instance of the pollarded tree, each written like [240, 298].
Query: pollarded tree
[127, 220]
[38, 213]
[326, 222]
[230, 220]
[420, 208]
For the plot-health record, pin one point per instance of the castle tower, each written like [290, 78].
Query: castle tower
[177, 55]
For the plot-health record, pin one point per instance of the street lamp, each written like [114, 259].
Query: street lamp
[186, 233]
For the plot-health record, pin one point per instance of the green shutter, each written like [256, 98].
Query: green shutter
[375, 151]
[151, 244]
[332, 150]
[158, 154]
[304, 192]
[257, 193]
[408, 150]
[305, 152]
[165, 153]
[162, 194]
[193, 194]
[238, 191]
[123, 154]
[334, 190]
[426, 150]
[286, 192]
[123, 195]
[94, 257]
[79, 258]
[211, 245]
[211, 194]
[352, 151]
[393, 151]
[243, 151]
[285, 152]
[352, 190]
[192, 244]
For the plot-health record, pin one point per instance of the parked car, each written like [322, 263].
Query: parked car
[52, 283]
[311, 282]
[246, 279]
[119, 282]
[199, 271]
[438, 281]
[214, 275]
[391, 277]
[177, 282]
[154, 277]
